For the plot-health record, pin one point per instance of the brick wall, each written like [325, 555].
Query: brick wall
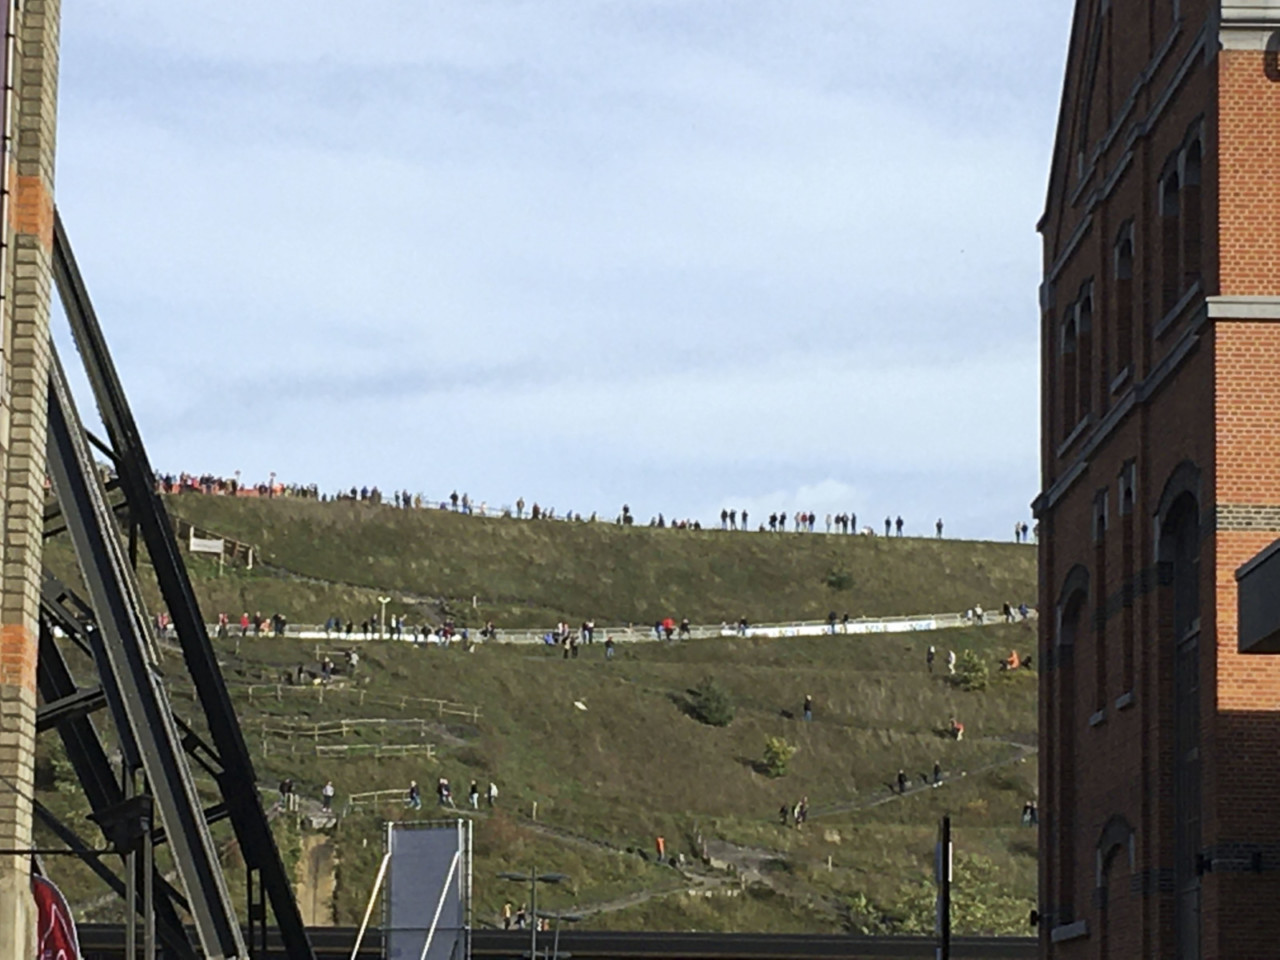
[1210, 395]
[1249, 103]
[23, 403]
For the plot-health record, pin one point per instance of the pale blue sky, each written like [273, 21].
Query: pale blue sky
[677, 253]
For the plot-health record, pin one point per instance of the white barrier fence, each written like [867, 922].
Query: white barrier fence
[641, 634]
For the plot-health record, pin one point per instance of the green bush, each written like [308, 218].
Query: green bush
[972, 672]
[711, 703]
[777, 754]
[839, 578]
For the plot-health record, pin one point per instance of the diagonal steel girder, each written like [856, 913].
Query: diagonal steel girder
[238, 782]
[129, 665]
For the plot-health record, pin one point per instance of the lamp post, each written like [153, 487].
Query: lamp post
[382, 617]
[555, 942]
[533, 878]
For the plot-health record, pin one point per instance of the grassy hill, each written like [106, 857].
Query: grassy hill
[636, 764]
[525, 573]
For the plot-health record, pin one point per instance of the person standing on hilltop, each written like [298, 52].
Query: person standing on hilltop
[724, 518]
[744, 521]
[938, 527]
[898, 524]
[888, 525]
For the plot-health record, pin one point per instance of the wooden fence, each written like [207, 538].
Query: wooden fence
[341, 728]
[291, 748]
[278, 691]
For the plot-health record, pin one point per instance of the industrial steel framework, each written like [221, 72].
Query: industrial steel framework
[152, 798]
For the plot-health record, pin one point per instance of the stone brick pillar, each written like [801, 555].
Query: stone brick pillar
[24, 325]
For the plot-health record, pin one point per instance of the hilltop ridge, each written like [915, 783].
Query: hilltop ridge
[524, 573]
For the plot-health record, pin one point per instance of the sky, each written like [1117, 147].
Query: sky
[679, 254]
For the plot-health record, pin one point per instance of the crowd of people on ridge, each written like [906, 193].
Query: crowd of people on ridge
[731, 519]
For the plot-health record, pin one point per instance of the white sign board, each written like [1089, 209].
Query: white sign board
[199, 545]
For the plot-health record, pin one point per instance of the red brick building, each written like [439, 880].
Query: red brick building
[1160, 314]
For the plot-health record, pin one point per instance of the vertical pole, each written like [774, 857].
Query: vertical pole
[533, 913]
[148, 894]
[248, 888]
[943, 872]
[130, 877]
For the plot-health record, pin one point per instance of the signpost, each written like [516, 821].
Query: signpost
[208, 545]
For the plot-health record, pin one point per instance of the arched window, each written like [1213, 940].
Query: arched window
[1124, 301]
[1191, 216]
[1115, 859]
[1070, 375]
[1072, 611]
[1101, 520]
[1170, 211]
[1084, 351]
[1179, 552]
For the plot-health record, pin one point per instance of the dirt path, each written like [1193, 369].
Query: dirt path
[316, 880]
[1021, 752]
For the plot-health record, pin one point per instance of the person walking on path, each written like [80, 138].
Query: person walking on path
[928, 657]
[951, 662]
[902, 782]
[492, 794]
[506, 915]
[415, 795]
[808, 708]
[473, 795]
[608, 648]
[326, 796]
[937, 772]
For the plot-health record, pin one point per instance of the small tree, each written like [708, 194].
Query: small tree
[711, 703]
[972, 672]
[777, 754]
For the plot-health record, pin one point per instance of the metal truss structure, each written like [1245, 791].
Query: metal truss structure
[152, 799]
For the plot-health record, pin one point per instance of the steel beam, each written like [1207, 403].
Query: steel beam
[238, 783]
[124, 633]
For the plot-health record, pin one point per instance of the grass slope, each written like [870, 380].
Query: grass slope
[635, 766]
[531, 574]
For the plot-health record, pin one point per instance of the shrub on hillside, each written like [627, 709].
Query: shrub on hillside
[710, 703]
[777, 754]
[972, 672]
[838, 578]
